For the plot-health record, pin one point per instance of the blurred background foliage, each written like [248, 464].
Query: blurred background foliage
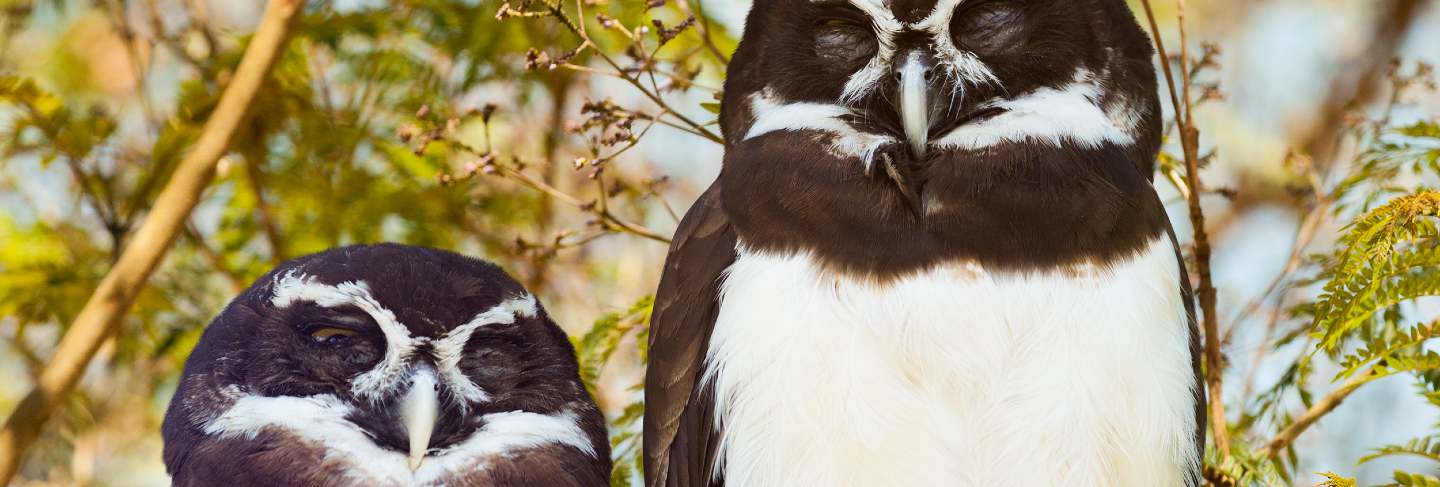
[563, 140]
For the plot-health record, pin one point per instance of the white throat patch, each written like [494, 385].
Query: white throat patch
[845, 141]
[1049, 116]
[320, 420]
[389, 374]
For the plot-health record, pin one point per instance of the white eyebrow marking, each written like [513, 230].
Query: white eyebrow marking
[373, 384]
[940, 17]
[450, 348]
[886, 28]
[963, 67]
[389, 374]
[771, 116]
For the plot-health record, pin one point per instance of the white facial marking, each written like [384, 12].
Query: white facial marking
[321, 420]
[845, 140]
[963, 68]
[450, 348]
[875, 72]
[1046, 115]
[950, 376]
[387, 375]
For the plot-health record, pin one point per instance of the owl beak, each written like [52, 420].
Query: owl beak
[914, 78]
[419, 409]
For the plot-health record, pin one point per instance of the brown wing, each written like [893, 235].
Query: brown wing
[1195, 351]
[680, 438]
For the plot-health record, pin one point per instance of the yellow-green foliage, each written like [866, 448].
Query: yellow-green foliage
[505, 130]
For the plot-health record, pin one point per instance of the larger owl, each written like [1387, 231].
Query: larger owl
[933, 256]
[384, 365]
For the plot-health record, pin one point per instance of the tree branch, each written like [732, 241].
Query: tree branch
[237, 284]
[254, 160]
[1322, 407]
[105, 309]
[1189, 141]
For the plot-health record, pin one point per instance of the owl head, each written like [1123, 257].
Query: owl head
[384, 365]
[853, 118]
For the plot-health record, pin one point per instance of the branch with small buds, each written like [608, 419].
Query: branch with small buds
[611, 126]
[641, 74]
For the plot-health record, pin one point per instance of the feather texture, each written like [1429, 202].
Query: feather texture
[955, 376]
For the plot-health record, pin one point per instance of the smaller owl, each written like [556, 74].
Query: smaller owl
[384, 365]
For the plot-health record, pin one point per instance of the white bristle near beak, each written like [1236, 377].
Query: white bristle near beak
[914, 108]
[419, 410]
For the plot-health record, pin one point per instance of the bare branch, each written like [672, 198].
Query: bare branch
[254, 158]
[702, 26]
[1322, 407]
[1189, 141]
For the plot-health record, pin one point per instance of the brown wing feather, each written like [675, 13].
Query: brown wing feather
[680, 439]
[1188, 296]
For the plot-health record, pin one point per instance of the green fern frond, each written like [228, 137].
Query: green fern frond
[596, 346]
[1390, 257]
[1400, 364]
[1383, 347]
[1427, 447]
[1242, 467]
[1406, 479]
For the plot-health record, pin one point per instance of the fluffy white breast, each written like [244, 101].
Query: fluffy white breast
[954, 376]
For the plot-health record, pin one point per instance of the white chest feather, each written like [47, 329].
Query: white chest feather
[954, 376]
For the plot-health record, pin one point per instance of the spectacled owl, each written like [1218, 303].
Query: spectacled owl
[933, 256]
[384, 365]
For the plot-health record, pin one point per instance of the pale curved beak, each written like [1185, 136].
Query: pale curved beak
[419, 409]
[914, 107]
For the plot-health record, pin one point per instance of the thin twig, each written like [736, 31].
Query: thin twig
[254, 159]
[237, 284]
[702, 27]
[605, 215]
[1322, 407]
[1189, 141]
[1359, 79]
[579, 30]
[118, 13]
[106, 308]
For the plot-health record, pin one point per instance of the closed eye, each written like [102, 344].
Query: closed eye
[329, 334]
[989, 28]
[843, 40]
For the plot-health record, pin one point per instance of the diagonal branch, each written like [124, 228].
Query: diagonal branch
[105, 309]
[1322, 407]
